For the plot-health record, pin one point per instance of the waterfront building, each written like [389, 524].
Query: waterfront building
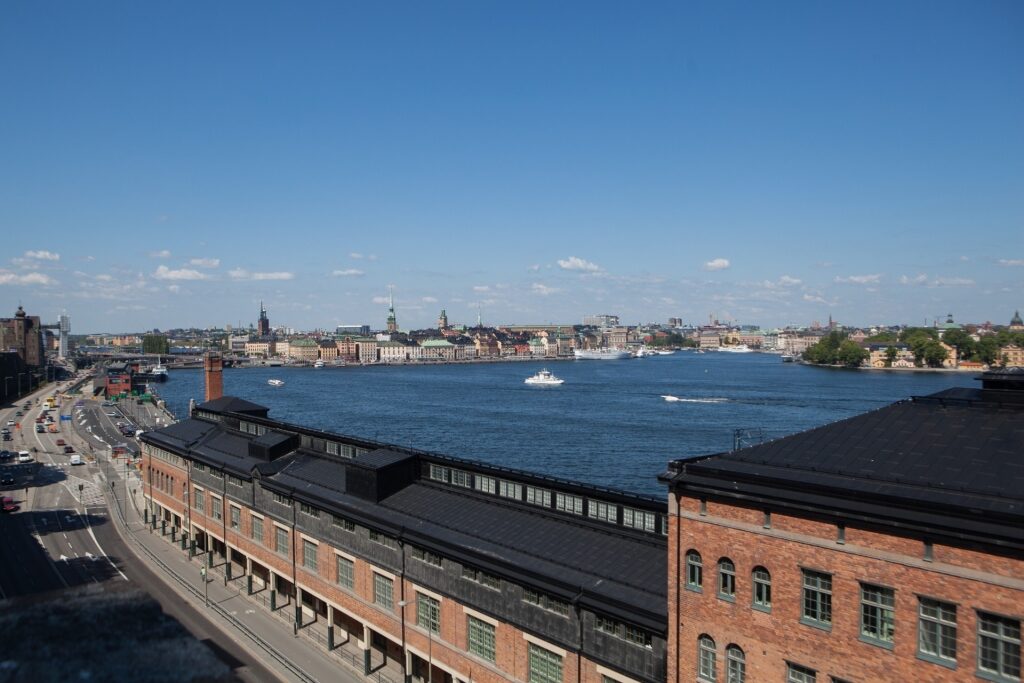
[304, 349]
[347, 349]
[260, 347]
[437, 349]
[282, 348]
[888, 546]
[236, 343]
[23, 335]
[328, 350]
[460, 571]
[1011, 356]
[392, 352]
[366, 349]
[709, 339]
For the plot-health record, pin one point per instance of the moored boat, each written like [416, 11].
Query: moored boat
[544, 377]
[275, 382]
[601, 354]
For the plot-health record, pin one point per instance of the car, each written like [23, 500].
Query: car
[7, 437]
[6, 479]
[6, 455]
[18, 414]
[60, 442]
[24, 456]
[76, 459]
[40, 429]
[8, 505]
[69, 449]
[111, 414]
[10, 423]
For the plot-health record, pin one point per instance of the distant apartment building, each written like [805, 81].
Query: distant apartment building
[261, 347]
[870, 549]
[328, 350]
[236, 343]
[674, 323]
[304, 349]
[793, 342]
[353, 330]
[878, 356]
[282, 348]
[603, 320]
[366, 350]
[347, 349]
[392, 352]
[1012, 356]
[437, 349]
[709, 339]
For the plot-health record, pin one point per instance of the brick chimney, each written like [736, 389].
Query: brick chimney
[213, 369]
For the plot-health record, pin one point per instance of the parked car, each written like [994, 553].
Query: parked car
[6, 455]
[69, 449]
[6, 479]
[60, 442]
[76, 459]
[8, 505]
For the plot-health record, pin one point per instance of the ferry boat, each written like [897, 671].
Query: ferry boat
[275, 382]
[738, 348]
[544, 377]
[155, 373]
[318, 364]
[788, 358]
[601, 354]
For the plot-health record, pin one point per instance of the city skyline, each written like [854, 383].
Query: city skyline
[535, 164]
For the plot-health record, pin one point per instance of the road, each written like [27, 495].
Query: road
[63, 537]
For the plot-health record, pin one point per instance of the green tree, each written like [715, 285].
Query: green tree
[934, 354]
[851, 354]
[987, 350]
[156, 343]
[890, 355]
[961, 341]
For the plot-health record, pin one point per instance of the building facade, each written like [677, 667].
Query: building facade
[486, 573]
[888, 546]
[23, 335]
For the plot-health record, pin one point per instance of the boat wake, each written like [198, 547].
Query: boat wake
[679, 399]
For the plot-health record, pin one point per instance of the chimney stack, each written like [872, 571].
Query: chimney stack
[213, 369]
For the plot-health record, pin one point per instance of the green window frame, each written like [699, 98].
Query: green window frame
[480, 638]
[346, 572]
[545, 666]
[383, 591]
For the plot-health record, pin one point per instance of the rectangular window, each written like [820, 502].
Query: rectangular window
[817, 603]
[606, 512]
[638, 636]
[283, 500]
[536, 496]
[200, 500]
[569, 503]
[460, 478]
[998, 647]
[481, 577]
[546, 602]
[217, 507]
[481, 639]
[346, 524]
[428, 613]
[308, 510]
[877, 620]
[346, 570]
[281, 541]
[309, 555]
[508, 489]
[438, 473]
[236, 517]
[545, 667]
[638, 519]
[936, 630]
[425, 556]
[485, 484]
[386, 541]
[333, 448]
[383, 592]
[800, 674]
[609, 626]
[257, 529]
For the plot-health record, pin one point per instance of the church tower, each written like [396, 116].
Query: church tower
[392, 321]
[442, 320]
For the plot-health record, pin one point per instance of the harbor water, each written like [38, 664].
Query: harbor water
[608, 424]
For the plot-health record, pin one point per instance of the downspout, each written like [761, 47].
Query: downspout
[579, 621]
[188, 506]
[295, 580]
[225, 508]
[402, 605]
[679, 619]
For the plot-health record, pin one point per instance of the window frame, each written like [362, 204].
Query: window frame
[939, 625]
[1002, 640]
[819, 595]
[383, 591]
[694, 570]
[349, 582]
[428, 613]
[735, 664]
[726, 579]
[482, 635]
[707, 659]
[875, 608]
[762, 585]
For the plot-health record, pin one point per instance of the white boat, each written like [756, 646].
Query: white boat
[643, 352]
[318, 364]
[275, 382]
[788, 358]
[600, 354]
[544, 377]
[665, 352]
[738, 348]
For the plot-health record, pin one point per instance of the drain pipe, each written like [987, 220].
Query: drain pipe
[579, 621]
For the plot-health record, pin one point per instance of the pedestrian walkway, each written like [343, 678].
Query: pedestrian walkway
[296, 654]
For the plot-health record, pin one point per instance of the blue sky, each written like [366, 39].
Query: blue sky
[768, 163]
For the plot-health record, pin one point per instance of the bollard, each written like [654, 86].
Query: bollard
[248, 585]
[145, 516]
[152, 521]
[366, 661]
[330, 637]
[227, 573]
[192, 549]
[209, 558]
[173, 536]
[273, 599]
[163, 527]
[298, 616]
[182, 541]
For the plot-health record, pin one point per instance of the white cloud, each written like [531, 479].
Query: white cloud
[163, 253]
[88, 258]
[786, 280]
[717, 264]
[429, 300]
[7, 278]
[576, 263]
[860, 279]
[348, 272]
[243, 274]
[1011, 261]
[534, 268]
[481, 288]
[103, 277]
[357, 256]
[918, 279]
[542, 290]
[174, 288]
[42, 255]
[380, 300]
[165, 273]
[205, 262]
[814, 299]
[938, 281]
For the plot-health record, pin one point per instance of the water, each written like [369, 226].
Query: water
[607, 425]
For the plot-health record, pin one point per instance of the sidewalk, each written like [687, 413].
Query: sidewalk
[270, 636]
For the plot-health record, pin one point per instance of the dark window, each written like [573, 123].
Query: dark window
[817, 607]
[762, 588]
[694, 570]
[877, 618]
[726, 578]
[707, 664]
[998, 647]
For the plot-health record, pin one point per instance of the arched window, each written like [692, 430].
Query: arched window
[726, 578]
[706, 663]
[762, 581]
[735, 665]
[694, 570]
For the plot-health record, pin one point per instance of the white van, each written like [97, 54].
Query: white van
[24, 456]
[76, 459]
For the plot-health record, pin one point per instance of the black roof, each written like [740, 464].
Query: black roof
[952, 463]
[233, 404]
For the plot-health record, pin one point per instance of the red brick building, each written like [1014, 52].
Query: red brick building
[884, 547]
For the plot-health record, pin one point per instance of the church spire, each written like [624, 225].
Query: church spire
[392, 321]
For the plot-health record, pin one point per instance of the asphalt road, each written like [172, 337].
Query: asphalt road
[63, 537]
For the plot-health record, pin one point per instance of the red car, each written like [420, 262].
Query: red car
[69, 449]
[60, 442]
[9, 505]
